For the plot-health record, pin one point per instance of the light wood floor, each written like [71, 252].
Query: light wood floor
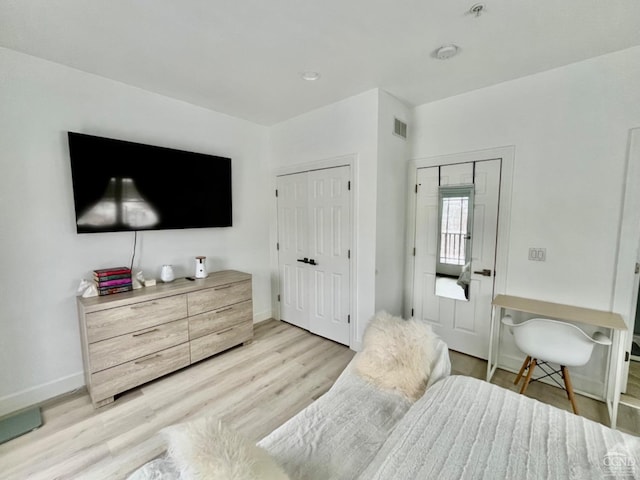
[633, 385]
[253, 388]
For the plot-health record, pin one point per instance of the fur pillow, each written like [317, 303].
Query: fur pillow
[397, 355]
[204, 449]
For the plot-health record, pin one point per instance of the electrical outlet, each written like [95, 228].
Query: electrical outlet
[537, 254]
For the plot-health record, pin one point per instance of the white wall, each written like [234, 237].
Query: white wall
[343, 128]
[393, 153]
[570, 129]
[43, 258]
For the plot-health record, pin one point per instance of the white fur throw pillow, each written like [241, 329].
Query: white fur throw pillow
[204, 449]
[397, 354]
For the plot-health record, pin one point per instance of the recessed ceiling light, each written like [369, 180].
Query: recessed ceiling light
[310, 76]
[446, 51]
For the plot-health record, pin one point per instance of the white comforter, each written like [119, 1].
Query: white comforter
[462, 428]
[335, 437]
[339, 435]
[465, 428]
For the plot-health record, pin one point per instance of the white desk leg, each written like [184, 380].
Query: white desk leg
[617, 357]
[493, 345]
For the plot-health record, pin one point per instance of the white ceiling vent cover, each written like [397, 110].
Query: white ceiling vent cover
[399, 128]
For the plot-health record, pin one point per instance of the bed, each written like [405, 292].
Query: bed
[460, 428]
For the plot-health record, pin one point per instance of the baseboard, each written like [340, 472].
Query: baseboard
[38, 394]
[262, 316]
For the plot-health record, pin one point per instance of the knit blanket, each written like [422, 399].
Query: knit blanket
[464, 428]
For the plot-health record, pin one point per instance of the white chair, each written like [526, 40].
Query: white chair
[551, 341]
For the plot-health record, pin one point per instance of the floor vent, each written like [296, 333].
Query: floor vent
[399, 128]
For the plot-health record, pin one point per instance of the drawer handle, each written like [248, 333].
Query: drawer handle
[224, 309]
[225, 330]
[222, 288]
[144, 333]
[143, 305]
[140, 362]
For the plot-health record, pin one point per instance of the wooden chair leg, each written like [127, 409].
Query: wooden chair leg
[532, 367]
[525, 364]
[569, 387]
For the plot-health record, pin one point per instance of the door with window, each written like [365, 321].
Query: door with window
[455, 251]
[314, 242]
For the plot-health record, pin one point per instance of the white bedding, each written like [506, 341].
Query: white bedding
[335, 437]
[338, 435]
[465, 428]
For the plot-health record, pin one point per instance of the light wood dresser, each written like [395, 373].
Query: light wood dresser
[133, 337]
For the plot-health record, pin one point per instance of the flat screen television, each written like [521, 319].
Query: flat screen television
[125, 186]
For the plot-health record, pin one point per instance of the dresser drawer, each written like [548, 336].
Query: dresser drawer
[112, 381]
[220, 319]
[218, 297]
[118, 321]
[116, 350]
[213, 343]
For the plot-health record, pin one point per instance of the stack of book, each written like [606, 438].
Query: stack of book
[113, 280]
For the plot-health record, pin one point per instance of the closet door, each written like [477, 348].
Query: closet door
[329, 243]
[314, 237]
[293, 234]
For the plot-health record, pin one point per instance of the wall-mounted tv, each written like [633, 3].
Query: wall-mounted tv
[125, 186]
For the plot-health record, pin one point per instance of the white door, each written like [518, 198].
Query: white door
[293, 245]
[315, 244]
[626, 294]
[463, 324]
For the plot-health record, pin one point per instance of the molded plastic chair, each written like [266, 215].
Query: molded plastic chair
[545, 340]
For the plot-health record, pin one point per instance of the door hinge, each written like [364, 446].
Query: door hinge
[348, 318]
[414, 251]
[278, 246]
[276, 192]
[278, 297]
[412, 312]
[348, 253]
[349, 185]
[637, 270]
[416, 188]
[626, 356]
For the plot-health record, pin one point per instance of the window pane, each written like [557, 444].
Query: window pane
[453, 230]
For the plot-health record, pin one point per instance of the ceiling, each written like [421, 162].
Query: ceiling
[244, 57]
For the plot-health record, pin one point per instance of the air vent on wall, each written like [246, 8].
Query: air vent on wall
[399, 128]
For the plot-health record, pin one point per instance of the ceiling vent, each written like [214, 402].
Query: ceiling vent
[399, 128]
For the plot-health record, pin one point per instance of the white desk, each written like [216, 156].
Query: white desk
[587, 316]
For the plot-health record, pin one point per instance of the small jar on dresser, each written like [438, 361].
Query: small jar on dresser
[131, 338]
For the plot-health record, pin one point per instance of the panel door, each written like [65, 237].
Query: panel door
[329, 243]
[464, 325]
[293, 232]
[314, 236]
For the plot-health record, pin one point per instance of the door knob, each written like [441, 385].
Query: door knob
[485, 272]
[312, 262]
